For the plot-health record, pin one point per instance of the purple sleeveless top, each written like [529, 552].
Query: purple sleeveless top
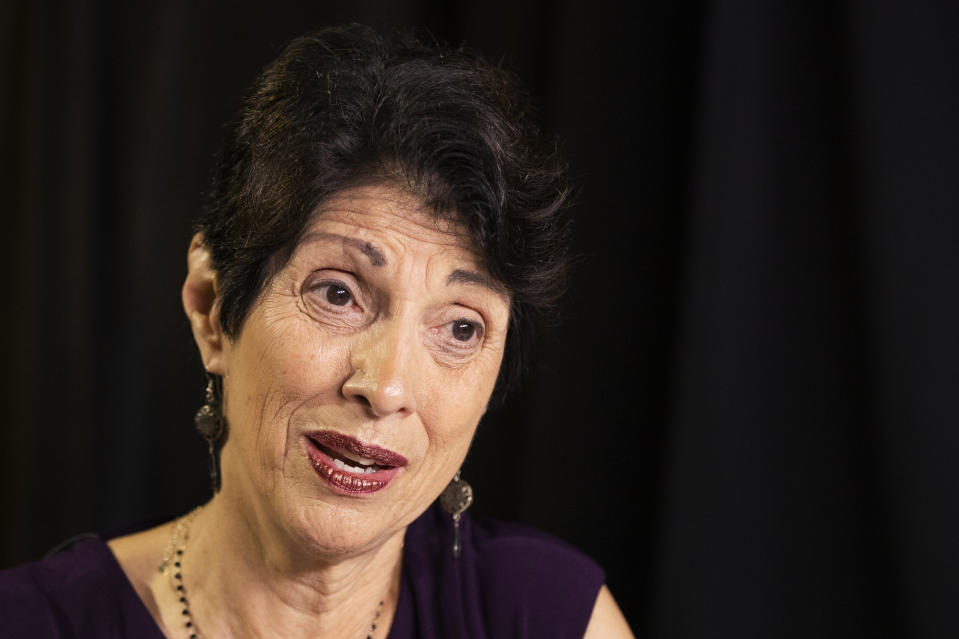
[509, 582]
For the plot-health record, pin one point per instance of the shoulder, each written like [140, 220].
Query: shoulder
[525, 557]
[510, 581]
[80, 591]
[543, 581]
[563, 590]
[40, 599]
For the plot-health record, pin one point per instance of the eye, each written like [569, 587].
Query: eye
[463, 335]
[332, 297]
[463, 330]
[338, 295]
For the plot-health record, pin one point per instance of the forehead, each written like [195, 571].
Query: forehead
[378, 220]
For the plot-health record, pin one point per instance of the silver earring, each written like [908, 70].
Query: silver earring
[455, 499]
[211, 425]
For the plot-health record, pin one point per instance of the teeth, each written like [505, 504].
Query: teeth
[360, 461]
[352, 469]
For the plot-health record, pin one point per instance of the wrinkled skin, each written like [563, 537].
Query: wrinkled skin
[382, 326]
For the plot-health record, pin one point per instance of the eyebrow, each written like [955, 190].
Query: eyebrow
[378, 258]
[462, 276]
[374, 253]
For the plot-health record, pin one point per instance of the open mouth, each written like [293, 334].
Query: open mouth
[350, 466]
[344, 461]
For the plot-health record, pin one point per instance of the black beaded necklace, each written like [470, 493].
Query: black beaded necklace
[173, 556]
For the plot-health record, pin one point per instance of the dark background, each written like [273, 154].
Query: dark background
[749, 413]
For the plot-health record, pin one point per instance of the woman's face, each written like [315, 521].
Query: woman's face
[358, 379]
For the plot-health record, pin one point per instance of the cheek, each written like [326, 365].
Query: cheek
[279, 367]
[457, 400]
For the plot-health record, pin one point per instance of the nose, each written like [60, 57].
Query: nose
[383, 375]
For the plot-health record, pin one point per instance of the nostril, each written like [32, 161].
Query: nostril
[380, 400]
[354, 391]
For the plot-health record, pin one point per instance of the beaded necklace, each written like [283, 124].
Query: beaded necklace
[173, 559]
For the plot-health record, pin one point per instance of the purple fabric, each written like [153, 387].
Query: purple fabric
[510, 582]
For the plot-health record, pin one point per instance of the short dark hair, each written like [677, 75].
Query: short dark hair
[346, 107]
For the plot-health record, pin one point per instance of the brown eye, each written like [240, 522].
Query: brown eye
[338, 295]
[463, 330]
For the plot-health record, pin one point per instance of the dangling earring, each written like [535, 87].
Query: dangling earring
[455, 499]
[210, 424]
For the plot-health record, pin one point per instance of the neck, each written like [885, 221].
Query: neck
[243, 582]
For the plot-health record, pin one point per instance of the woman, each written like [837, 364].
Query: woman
[385, 227]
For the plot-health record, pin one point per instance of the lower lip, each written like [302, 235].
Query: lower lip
[343, 481]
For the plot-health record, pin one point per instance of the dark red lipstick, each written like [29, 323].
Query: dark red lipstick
[348, 465]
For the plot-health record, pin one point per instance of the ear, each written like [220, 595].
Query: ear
[200, 303]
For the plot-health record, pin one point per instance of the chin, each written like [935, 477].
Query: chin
[326, 527]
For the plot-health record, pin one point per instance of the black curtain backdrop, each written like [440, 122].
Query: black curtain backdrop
[749, 413]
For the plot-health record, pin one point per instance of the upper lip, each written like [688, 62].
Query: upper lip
[347, 444]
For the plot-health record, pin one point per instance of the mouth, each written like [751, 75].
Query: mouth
[348, 465]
